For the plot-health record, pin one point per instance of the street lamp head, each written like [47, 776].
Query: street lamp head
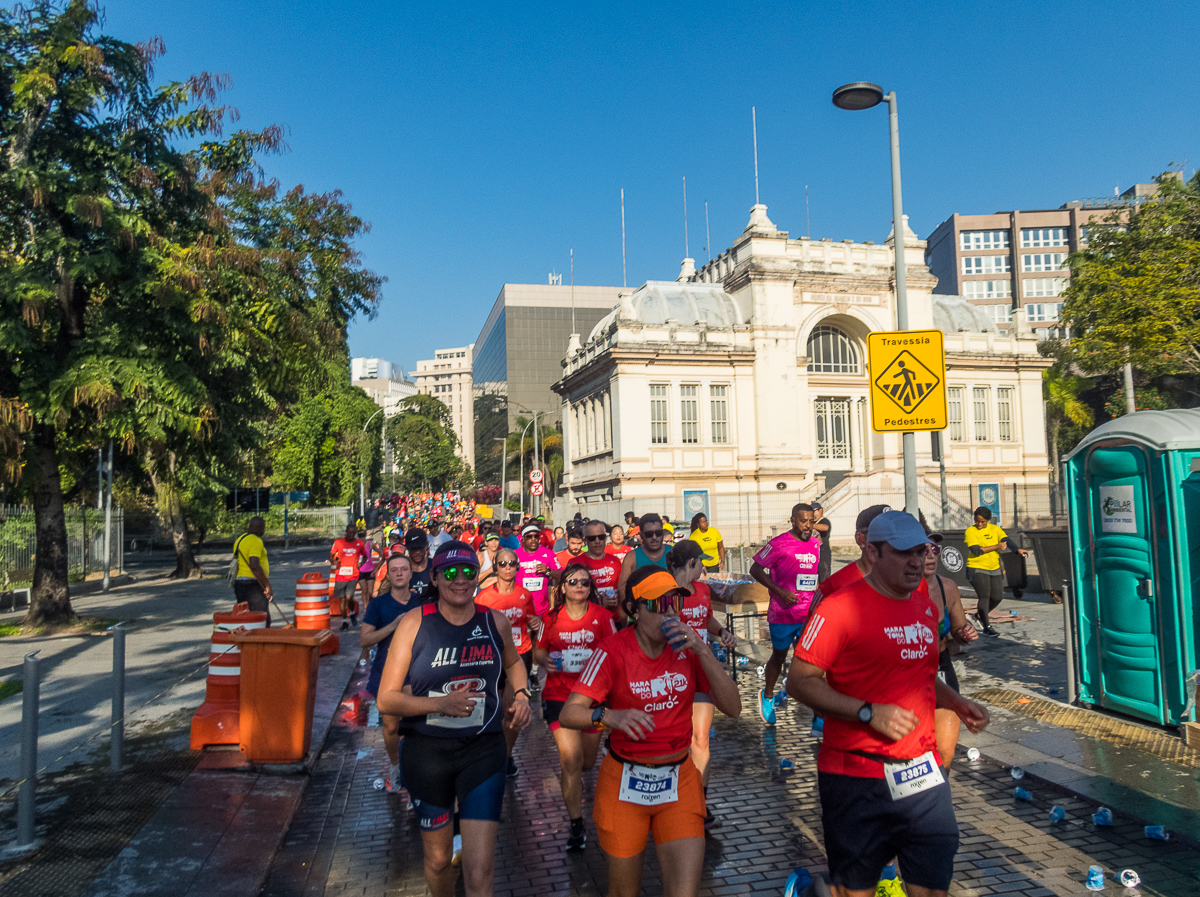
[858, 95]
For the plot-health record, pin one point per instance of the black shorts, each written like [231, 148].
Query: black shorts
[946, 668]
[366, 575]
[439, 771]
[344, 589]
[527, 657]
[865, 828]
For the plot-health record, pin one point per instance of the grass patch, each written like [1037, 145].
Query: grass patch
[7, 629]
[10, 688]
[77, 626]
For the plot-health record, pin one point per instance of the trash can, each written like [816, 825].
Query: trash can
[1133, 503]
[952, 559]
[1015, 573]
[1052, 551]
[278, 688]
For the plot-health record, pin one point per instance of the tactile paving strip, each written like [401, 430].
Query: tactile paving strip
[1096, 725]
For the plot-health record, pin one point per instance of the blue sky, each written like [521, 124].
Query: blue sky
[485, 141]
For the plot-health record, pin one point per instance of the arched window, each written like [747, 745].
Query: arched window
[831, 352]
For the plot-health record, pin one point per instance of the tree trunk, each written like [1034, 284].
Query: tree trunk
[1055, 424]
[170, 511]
[50, 601]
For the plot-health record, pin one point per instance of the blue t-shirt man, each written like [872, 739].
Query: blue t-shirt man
[382, 610]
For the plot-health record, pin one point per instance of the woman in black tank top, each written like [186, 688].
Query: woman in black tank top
[442, 675]
[952, 627]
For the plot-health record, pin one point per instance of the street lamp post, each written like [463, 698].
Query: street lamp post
[522, 451]
[503, 459]
[865, 95]
[362, 493]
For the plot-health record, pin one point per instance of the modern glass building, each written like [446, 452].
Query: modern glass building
[519, 354]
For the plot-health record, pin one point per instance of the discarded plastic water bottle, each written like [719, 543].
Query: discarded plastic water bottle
[378, 784]
[1103, 816]
[1057, 814]
[1157, 833]
[786, 764]
[374, 649]
[362, 664]
[762, 671]
[797, 882]
[1018, 772]
[373, 716]
[818, 728]
[1054, 691]
[973, 754]
[1095, 879]
[743, 661]
[1021, 794]
[780, 698]
[1130, 879]
[720, 653]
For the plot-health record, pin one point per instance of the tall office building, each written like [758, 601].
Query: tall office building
[519, 355]
[1013, 264]
[447, 377]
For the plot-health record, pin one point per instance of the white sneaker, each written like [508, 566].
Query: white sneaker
[392, 782]
[457, 858]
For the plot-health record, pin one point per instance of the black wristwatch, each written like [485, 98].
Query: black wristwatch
[865, 713]
[524, 690]
[598, 716]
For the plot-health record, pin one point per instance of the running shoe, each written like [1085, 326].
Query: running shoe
[578, 836]
[766, 707]
[345, 625]
[457, 858]
[989, 630]
[709, 819]
[890, 887]
[393, 782]
[354, 619]
[512, 770]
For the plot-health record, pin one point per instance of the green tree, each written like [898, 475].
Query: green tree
[548, 450]
[1061, 390]
[425, 446]
[1135, 290]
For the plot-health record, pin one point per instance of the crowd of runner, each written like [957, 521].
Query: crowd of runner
[611, 626]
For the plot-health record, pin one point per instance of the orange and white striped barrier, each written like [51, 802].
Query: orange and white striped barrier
[216, 720]
[313, 596]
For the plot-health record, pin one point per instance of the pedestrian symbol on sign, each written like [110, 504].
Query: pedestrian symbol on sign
[907, 382]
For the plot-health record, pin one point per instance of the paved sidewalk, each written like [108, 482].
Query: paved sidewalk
[349, 838]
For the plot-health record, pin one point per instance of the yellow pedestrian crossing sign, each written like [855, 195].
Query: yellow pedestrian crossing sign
[908, 381]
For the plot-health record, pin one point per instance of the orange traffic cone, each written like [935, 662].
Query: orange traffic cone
[216, 720]
[313, 598]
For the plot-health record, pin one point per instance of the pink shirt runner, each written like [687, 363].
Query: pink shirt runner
[538, 585]
[792, 565]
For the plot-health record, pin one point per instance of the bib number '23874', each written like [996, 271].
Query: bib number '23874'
[649, 786]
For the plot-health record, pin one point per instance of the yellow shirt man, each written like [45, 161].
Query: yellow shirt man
[708, 540]
[251, 546]
[984, 538]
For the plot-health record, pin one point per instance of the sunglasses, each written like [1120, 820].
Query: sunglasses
[507, 563]
[599, 538]
[652, 534]
[451, 573]
[933, 550]
[662, 604]
[579, 582]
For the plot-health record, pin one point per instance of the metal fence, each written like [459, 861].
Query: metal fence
[85, 541]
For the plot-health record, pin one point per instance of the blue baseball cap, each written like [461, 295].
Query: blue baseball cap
[453, 552]
[900, 530]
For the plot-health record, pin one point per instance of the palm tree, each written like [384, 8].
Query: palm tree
[550, 448]
[1061, 390]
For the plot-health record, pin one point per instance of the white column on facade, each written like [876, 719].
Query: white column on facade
[607, 406]
[864, 428]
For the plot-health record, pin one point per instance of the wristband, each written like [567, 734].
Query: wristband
[524, 690]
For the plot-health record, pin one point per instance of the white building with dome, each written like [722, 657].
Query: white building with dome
[742, 388]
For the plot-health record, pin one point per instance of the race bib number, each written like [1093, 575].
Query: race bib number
[649, 786]
[806, 582]
[907, 779]
[575, 659]
[534, 583]
[345, 571]
[474, 718]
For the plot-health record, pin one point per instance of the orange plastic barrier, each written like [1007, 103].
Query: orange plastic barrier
[279, 687]
[216, 720]
[312, 607]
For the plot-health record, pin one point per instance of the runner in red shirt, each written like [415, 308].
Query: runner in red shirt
[605, 568]
[517, 605]
[645, 688]
[345, 557]
[571, 632]
[617, 546]
[686, 563]
[868, 662]
[574, 550]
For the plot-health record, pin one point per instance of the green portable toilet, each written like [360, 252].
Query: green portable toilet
[1133, 504]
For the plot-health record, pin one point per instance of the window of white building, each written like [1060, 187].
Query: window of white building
[1001, 314]
[1043, 261]
[1043, 311]
[1004, 413]
[984, 239]
[986, 264]
[979, 403]
[689, 414]
[832, 352]
[1033, 237]
[954, 411]
[1043, 286]
[987, 289]
[719, 407]
[833, 429]
[659, 422]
